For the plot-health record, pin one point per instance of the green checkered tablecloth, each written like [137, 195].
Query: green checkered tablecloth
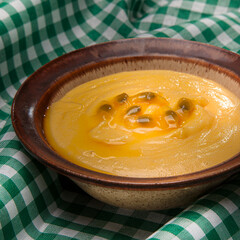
[37, 203]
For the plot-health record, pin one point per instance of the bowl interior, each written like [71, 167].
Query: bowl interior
[191, 66]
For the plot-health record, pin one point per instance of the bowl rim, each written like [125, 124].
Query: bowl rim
[25, 106]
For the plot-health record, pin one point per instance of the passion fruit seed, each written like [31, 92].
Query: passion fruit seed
[106, 107]
[122, 98]
[133, 110]
[185, 104]
[171, 115]
[144, 119]
[147, 96]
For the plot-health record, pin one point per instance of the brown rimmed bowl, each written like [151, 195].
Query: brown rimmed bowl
[57, 77]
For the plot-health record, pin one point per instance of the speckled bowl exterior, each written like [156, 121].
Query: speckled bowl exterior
[158, 199]
[54, 79]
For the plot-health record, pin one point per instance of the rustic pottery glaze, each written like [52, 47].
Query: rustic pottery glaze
[57, 77]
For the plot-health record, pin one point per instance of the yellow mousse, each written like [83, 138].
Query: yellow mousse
[153, 123]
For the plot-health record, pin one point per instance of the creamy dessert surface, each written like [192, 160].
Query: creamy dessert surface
[152, 123]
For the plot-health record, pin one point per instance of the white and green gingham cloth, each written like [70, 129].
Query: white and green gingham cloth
[37, 203]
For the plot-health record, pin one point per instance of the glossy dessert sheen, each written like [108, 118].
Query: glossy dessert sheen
[153, 123]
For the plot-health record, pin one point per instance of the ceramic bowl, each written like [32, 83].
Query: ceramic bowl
[57, 77]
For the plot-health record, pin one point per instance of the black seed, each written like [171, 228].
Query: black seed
[147, 96]
[185, 104]
[106, 107]
[133, 110]
[144, 119]
[122, 98]
[172, 114]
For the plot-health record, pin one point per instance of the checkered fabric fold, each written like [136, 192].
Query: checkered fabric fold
[37, 203]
